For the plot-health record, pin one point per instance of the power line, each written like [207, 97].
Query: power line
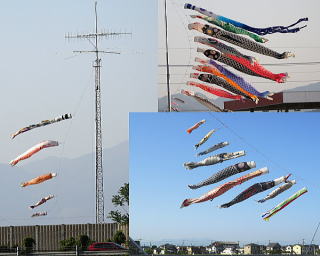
[264, 64]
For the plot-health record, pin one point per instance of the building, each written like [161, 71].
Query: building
[273, 247]
[219, 246]
[252, 249]
[282, 101]
[168, 249]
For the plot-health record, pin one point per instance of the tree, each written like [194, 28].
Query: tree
[119, 237]
[121, 200]
[28, 243]
[84, 241]
[68, 244]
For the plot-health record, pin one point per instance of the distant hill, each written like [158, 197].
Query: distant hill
[74, 188]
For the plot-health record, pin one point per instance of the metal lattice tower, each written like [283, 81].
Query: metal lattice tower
[97, 66]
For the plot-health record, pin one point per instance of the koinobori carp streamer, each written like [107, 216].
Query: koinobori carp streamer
[38, 214]
[204, 139]
[231, 28]
[39, 179]
[215, 55]
[255, 189]
[238, 40]
[42, 123]
[279, 207]
[197, 125]
[212, 90]
[42, 201]
[218, 191]
[259, 31]
[225, 173]
[211, 160]
[202, 100]
[239, 80]
[30, 152]
[278, 190]
[223, 48]
[214, 71]
[214, 148]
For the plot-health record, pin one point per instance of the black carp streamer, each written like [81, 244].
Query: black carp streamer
[225, 173]
[214, 159]
[255, 189]
[214, 148]
[238, 40]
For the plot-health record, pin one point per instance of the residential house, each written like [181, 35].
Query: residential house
[273, 247]
[220, 246]
[252, 249]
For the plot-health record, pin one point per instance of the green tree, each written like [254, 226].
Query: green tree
[84, 241]
[121, 200]
[119, 237]
[68, 244]
[28, 243]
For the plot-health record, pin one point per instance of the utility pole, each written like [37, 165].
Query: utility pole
[167, 56]
[98, 131]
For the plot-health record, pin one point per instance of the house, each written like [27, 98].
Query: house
[304, 249]
[196, 250]
[252, 249]
[168, 249]
[229, 251]
[220, 246]
[273, 247]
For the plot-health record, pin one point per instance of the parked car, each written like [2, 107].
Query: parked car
[108, 246]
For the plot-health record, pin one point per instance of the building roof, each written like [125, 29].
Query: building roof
[287, 100]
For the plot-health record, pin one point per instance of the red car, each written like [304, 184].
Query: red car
[108, 246]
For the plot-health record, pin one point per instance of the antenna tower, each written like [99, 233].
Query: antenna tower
[97, 66]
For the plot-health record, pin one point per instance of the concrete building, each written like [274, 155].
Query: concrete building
[48, 237]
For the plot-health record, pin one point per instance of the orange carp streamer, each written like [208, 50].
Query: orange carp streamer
[197, 125]
[38, 179]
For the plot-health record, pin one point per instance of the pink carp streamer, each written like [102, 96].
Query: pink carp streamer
[33, 150]
[196, 126]
[202, 100]
[42, 201]
[238, 40]
[218, 191]
[214, 91]
[259, 31]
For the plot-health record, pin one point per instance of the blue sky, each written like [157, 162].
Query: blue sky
[159, 145]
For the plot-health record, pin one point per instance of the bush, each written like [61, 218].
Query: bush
[119, 237]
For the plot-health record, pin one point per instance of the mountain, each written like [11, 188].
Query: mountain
[74, 188]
